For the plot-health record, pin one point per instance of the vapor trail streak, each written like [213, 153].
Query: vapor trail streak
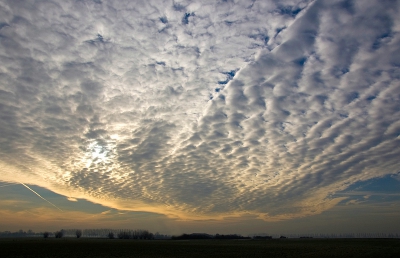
[40, 196]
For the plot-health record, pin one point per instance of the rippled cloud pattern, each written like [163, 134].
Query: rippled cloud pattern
[200, 109]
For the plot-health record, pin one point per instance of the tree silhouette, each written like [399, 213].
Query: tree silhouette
[46, 234]
[59, 234]
[124, 235]
[78, 233]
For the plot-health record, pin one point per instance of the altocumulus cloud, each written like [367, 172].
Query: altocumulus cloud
[200, 109]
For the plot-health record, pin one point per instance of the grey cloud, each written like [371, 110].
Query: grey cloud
[213, 113]
[91, 89]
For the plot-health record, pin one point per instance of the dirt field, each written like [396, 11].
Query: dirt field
[68, 247]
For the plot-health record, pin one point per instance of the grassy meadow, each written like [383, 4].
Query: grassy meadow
[85, 247]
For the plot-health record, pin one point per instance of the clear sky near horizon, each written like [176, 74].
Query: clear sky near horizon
[200, 116]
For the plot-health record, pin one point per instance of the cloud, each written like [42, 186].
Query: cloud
[105, 212]
[200, 110]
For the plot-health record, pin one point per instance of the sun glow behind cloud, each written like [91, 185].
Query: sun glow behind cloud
[200, 111]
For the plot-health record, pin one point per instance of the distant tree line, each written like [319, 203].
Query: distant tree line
[89, 233]
[192, 236]
[110, 233]
[20, 233]
[263, 237]
[145, 234]
[133, 234]
[107, 233]
[232, 236]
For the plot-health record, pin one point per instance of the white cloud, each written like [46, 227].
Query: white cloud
[200, 109]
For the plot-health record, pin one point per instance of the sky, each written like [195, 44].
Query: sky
[231, 116]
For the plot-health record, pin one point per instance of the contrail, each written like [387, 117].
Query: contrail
[39, 195]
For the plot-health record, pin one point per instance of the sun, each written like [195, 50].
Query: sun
[97, 153]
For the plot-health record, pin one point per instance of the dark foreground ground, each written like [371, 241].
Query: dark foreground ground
[68, 247]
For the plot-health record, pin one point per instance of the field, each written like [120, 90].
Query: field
[69, 247]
